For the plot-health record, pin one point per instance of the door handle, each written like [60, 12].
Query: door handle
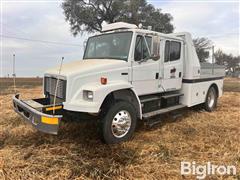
[173, 70]
[157, 76]
[180, 74]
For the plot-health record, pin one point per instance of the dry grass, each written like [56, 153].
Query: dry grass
[156, 153]
[6, 84]
[232, 84]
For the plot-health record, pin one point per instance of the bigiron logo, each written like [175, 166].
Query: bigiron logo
[202, 171]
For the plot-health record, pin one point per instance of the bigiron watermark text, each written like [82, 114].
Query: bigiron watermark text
[203, 170]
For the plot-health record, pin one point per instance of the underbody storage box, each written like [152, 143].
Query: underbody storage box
[40, 113]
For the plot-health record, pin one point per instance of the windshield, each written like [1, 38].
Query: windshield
[109, 46]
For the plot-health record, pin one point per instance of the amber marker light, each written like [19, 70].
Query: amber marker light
[103, 80]
[50, 120]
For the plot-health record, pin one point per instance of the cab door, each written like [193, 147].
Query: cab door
[145, 71]
[173, 65]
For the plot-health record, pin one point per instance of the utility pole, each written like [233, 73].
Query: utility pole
[213, 61]
[13, 66]
[14, 74]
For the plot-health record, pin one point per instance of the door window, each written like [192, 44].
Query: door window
[138, 49]
[166, 53]
[175, 49]
[172, 51]
[141, 49]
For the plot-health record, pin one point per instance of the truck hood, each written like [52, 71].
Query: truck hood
[85, 66]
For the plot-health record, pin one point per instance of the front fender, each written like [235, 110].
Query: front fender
[100, 91]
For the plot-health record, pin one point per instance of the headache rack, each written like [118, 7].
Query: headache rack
[50, 87]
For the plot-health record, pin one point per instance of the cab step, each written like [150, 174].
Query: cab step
[149, 99]
[155, 98]
[162, 111]
[172, 95]
[150, 122]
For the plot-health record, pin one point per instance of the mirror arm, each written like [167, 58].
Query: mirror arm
[147, 45]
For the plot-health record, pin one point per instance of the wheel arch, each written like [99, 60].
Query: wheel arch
[128, 95]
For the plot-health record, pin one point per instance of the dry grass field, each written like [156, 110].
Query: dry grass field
[156, 153]
[6, 84]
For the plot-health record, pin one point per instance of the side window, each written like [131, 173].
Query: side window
[141, 50]
[175, 50]
[138, 49]
[166, 52]
[172, 51]
[146, 54]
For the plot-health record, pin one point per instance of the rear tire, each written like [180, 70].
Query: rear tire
[211, 100]
[118, 123]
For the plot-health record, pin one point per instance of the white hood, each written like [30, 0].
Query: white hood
[85, 66]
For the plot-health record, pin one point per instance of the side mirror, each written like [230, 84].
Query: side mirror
[84, 44]
[156, 48]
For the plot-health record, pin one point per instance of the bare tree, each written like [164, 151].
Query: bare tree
[202, 46]
[228, 60]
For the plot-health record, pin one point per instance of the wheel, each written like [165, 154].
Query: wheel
[118, 123]
[211, 100]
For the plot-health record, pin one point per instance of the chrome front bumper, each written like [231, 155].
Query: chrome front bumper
[43, 122]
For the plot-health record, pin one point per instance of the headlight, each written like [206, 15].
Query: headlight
[88, 95]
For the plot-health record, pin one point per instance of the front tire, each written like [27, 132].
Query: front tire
[211, 100]
[118, 123]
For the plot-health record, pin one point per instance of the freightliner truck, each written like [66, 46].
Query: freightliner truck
[127, 74]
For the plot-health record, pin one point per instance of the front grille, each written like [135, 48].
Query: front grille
[50, 84]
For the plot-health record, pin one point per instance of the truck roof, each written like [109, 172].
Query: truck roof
[144, 31]
[122, 26]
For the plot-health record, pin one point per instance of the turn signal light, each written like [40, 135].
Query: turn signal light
[103, 80]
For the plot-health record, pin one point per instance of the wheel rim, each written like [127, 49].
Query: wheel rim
[211, 98]
[121, 124]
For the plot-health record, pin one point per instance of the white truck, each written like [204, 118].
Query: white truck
[127, 74]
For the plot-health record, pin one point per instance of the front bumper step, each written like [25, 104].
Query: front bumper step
[42, 121]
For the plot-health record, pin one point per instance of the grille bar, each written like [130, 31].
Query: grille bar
[50, 86]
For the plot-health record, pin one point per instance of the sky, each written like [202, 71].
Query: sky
[45, 21]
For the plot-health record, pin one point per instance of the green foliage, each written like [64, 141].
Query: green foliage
[88, 15]
[202, 46]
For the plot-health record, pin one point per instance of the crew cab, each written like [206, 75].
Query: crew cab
[127, 74]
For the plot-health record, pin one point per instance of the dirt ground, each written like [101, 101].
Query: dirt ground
[156, 153]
